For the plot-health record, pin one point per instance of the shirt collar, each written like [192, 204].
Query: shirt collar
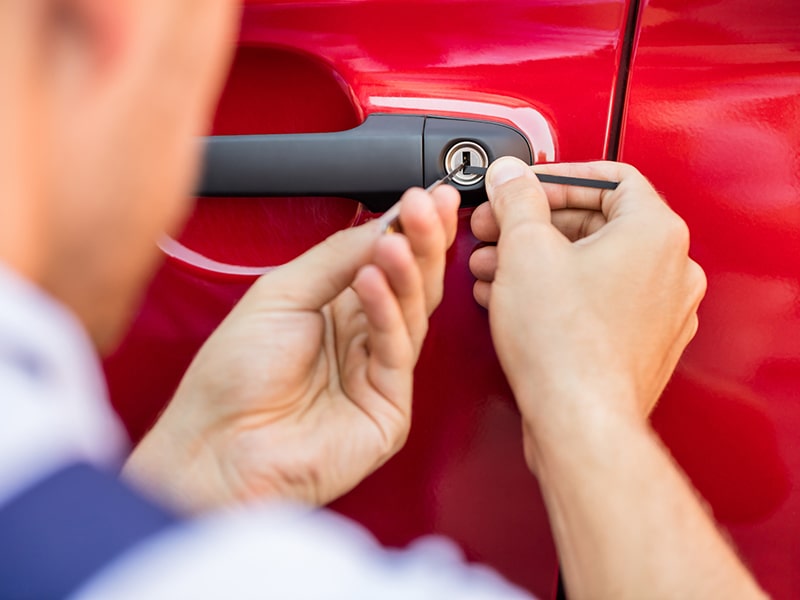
[54, 407]
[42, 339]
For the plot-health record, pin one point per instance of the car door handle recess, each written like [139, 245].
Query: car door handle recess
[373, 163]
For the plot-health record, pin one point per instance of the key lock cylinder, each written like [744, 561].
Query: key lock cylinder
[472, 156]
[449, 143]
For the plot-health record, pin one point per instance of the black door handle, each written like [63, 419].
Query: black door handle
[373, 163]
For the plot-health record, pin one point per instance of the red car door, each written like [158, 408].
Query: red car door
[713, 119]
[556, 72]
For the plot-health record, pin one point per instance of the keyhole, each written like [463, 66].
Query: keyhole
[469, 153]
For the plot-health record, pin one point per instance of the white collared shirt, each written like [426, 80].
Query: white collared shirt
[53, 406]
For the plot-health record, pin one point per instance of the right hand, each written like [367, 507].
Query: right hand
[306, 387]
[592, 296]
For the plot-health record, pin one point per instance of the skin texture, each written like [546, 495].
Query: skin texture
[592, 298]
[607, 264]
[305, 389]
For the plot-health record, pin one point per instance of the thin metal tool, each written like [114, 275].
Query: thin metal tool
[447, 177]
[598, 184]
[392, 216]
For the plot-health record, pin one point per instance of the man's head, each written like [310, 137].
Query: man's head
[100, 109]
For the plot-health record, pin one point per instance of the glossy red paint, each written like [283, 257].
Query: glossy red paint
[547, 67]
[714, 121]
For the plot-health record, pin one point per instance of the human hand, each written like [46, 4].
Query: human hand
[305, 388]
[591, 294]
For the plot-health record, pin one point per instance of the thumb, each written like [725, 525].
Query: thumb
[315, 278]
[515, 194]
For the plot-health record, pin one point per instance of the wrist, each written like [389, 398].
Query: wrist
[179, 473]
[564, 427]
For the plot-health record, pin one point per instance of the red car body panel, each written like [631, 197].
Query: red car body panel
[713, 119]
[552, 70]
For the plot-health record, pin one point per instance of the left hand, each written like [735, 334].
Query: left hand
[305, 388]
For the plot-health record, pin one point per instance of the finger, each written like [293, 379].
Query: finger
[350, 326]
[426, 235]
[390, 359]
[576, 223]
[447, 200]
[391, 355]
[484, 225]
[315, 278]
[634, 192]
[483, 263]
[389, 342]
[698, 282]
[394, 257]
[517, 197]
[481, 292]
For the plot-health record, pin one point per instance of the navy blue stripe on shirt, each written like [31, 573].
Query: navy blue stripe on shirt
[60, 532]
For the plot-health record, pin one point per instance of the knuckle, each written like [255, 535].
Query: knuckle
[422, 329]
[617, 170]
[698, 280]
[692, 327]
[394, 433]
[676, 233]
[404, 430]
[591, 222]
[434, 300]
[627, 170]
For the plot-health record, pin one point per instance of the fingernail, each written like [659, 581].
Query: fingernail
[504, 170]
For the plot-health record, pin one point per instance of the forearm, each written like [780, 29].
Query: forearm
[627, 523]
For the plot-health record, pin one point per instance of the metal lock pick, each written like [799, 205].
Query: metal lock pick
[392, 216]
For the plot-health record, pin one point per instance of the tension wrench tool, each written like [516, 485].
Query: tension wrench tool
[392, 216]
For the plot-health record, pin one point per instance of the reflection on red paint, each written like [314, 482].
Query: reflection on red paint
[714, 121]
[268, 92]
[727, 445]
